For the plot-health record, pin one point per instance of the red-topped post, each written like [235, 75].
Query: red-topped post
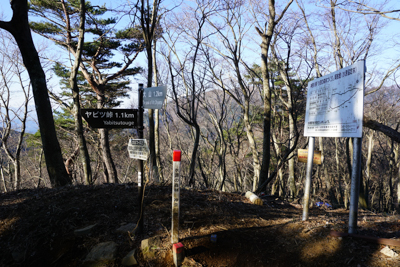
[175, 195]
[178, 249]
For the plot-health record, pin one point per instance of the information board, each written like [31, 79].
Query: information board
[138, 149]
[335, 103]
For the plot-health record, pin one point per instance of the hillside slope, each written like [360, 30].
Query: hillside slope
[37, 229]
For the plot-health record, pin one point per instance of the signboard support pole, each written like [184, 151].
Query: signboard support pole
[140, 171]
[307, 188]
[176, 181]
[355, 185]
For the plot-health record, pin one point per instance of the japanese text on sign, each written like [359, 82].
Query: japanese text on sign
[110, 118]
[335, 103]
[138, 149]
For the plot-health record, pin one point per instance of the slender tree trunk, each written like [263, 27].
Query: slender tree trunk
[324, 168]
[291, 163]
[392, 171]
[17, 174]
[149, 21]
[339, 180]
[398, 187]
[337, 47]
[252, 145]
[84, 154]
[2, 178]
[194, 153]
[266, 39]
[349, 153]
[111, 171]
[19, 28]
[368, 166]
[157, 120]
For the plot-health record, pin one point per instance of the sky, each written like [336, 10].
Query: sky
[385, 59]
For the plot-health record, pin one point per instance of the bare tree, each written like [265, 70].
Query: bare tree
[186, 73]
[229, 77]
[266, 31]
[149, 21]
[84, 154]
[12, 73]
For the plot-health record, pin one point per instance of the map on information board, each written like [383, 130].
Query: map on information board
[335, 103]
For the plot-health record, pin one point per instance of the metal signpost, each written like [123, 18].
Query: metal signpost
[335, 106]
[140, 170]
[307, 186]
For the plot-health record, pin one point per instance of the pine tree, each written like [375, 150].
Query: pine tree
[101, 67]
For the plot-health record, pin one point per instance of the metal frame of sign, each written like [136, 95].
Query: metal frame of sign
[335, 105]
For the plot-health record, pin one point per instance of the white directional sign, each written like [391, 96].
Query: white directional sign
[138, 149]
[335, 103]
[153, 97]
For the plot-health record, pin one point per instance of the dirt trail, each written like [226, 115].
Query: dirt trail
[37, 229]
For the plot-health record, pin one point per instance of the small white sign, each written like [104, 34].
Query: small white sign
[335, 103]
[138, 149]
[153, 97]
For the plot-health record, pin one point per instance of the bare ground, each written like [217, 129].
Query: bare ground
[37, 229]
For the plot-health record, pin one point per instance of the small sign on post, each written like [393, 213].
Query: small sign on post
[153, 97]
[175, 196]
[138, 149]
[302, 155]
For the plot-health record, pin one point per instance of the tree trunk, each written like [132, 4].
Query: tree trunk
[152, 162]
[266, 39]
[194, 153]
[368, 166]
[2, 178]
[158, 169]
[111, 171]
[149, 20]
[339, 188]
[19, 28]
[324, 168]
[84, 154]
[252, 145]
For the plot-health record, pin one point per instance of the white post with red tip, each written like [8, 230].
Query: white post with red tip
[176, 181]
[177, 247]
